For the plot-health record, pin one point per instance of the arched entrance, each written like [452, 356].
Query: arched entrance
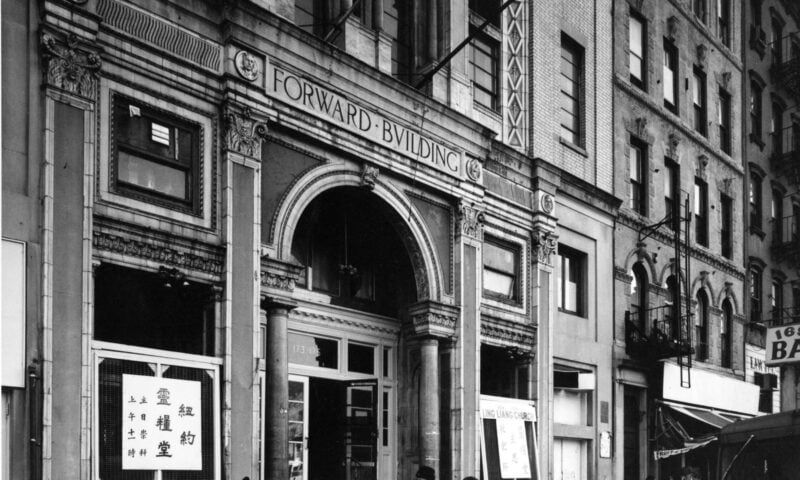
[343, 358]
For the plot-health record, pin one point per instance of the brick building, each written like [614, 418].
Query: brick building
[680, 312]
[322, 246]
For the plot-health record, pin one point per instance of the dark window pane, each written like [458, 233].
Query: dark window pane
[360, 359]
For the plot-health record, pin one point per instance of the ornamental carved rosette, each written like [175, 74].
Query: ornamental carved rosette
[471, 221]
[243, 133]
[544, 244]
[68, 65]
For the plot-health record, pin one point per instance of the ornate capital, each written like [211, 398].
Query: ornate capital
[68, 65]
[433, 319]
[544, 244]
[279, 277]
[243, 133]
[369, 175]
[471, 221]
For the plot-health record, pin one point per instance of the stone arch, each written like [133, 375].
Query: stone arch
[701, 282]
[643, 256]
[406, 219]
[665, 273]
[728, 293]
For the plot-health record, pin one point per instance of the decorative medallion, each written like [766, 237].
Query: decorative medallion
[247, 66]
[243, 134]
[544, 244]
[369, 175]
[471, 220]
[474, 169]
[547, 203]
[69, 67]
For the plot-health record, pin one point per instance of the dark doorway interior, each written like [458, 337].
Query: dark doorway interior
[326, 429]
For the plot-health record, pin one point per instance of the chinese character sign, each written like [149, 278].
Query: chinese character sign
[160, 424]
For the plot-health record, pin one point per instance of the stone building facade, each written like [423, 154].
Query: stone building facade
[680, 306]
[329, 249]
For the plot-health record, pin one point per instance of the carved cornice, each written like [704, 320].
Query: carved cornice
[69, 65]
[342, 321]
[544, 243]
[520, 335]
[433, 319]
[243, 133]
[157, 253]
[471, 220]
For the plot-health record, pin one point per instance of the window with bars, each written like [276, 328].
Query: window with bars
[572, 102]
[155, 155]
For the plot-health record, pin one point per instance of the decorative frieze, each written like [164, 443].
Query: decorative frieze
[243, 133]
[471, 219]
[277, 275]
[510, 335]
[69, 65]
[516, 66]
[162, 254]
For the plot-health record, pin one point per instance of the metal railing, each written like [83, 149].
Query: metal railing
[785, 62]
[656, 333]
[783, 316]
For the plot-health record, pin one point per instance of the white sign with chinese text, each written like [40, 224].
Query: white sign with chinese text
[161, 424]
[512, 446]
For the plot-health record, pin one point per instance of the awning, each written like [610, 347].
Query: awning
[689, 445]
[707, 416]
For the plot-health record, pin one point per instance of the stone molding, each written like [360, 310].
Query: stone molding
[69, 65]
[326, 319]
[509, 334]
[157, 253]
[243, 134]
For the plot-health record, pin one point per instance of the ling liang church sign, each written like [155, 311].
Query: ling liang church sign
[321, 102]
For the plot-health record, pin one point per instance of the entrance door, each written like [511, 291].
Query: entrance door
[298, 427]
[361, 430]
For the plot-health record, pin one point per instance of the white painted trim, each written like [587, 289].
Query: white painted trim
[130, 352]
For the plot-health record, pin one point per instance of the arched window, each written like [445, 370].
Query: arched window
[639, 294]
[672, 322]
[726, 334]
[700, 340]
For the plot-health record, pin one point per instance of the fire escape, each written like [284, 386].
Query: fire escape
[662, 332]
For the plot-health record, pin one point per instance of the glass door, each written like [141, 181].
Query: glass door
[298, 427]
[361, 432]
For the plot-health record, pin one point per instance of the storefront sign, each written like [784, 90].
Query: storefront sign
[783, 345]
[161, 424]
[324, 103]
[710, 389]
[13, 326]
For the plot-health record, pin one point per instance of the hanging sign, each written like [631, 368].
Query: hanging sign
[783, 345]
[161, 424]
[322, 102]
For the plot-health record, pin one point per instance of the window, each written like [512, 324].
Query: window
[571, 91]
[726, 231]
[700, 212]
[155, 155]
[776, 214]
[414, 40]
[573, 413]
[755, 201]
[637, 41]
[726, 334]
[671, 185]
[724, 21]
[776, 300]
[699, 100]
[501, 263]
[776, 46]
[639, 294]
[701, 327]
[755, 110]
[637, 153]
[699, 9]
[776, 128]
[502, 373]
[755, 294]
[724, 120]
[768, 383]
[755, 12]
[670, 76]
[485, 71]
[571, 280]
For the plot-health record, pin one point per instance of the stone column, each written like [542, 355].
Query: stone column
[429, 403]
[276, 390]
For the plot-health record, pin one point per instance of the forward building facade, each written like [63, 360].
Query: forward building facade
[273, 239]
